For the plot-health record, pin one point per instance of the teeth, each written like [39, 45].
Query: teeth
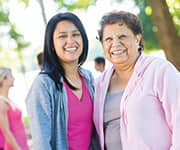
[117, 52]
[71, 49]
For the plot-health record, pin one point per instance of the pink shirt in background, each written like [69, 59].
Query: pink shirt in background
[80, 119]
[1, 140]
[17, 128]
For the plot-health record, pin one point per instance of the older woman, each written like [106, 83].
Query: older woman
[137, 100]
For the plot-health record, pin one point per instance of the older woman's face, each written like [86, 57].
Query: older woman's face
[120, 44]
[67, 42]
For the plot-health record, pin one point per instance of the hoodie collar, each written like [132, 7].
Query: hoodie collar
[139, 69]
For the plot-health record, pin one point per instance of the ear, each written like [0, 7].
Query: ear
[138, 37]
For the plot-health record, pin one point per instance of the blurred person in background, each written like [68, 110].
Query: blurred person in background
[12, 130]
[40, 60]
[99, 64]
[60, 101]
[137, 100]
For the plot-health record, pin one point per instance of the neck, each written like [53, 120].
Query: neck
[73, 76]
[71, 71]
[124, 75]
[124, 72]
[4, 92]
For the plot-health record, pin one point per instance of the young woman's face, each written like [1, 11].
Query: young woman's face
[67, 42]
[120, 44]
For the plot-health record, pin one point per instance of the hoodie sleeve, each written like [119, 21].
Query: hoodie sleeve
[39, 112]
[168, 85]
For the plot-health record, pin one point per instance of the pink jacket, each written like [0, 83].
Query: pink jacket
[150, 106]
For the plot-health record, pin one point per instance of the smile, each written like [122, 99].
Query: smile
[71, 49]
[118, 52]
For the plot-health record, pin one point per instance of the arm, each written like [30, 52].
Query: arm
[39, 112]
[4, 126]
[169, 95]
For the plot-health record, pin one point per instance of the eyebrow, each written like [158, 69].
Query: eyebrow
[120, 35]
[63, 32]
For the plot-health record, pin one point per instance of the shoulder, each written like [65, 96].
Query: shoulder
[84, 71]
[86, 74]
[104, 78]
[3, 106]
[153, 63]
[159, 69]
[161, 65]
[43, 86]
[43, 80]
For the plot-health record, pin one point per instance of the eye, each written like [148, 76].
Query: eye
[122, 37]
[62, 36]
[76, 34]
[108, 39]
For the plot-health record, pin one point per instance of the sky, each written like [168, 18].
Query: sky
[29, 22]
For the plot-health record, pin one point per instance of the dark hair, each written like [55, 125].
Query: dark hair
[40, 58]
[100, 60]
[52, 65]
[127, 18]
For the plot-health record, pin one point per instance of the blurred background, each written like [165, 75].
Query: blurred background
[23, 22]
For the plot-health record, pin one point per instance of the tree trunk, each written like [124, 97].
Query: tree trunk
[43, 11]
[167, 35]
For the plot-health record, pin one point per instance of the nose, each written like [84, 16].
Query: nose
[70, 38]
[116, 42]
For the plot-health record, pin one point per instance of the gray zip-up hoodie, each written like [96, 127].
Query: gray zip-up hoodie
[48, 112]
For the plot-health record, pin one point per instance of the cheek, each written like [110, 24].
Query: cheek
[134, 47]
[58, 44]
[80, 43]
[106, 49]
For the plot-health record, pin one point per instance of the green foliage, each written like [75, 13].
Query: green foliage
[151, 41]
[149, 30]
[3, 16]
[26, 2]
[21, 44]
[75, 4]
[174, 9]
[26, 122]
[11, 36]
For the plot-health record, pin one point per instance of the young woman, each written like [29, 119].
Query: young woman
[60, 102]
[12, 130]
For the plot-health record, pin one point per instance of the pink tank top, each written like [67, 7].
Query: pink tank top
[80, 120]
[1, 140]
[17, 128]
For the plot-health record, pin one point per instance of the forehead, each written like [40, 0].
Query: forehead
[65, 26]
[116, 28]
